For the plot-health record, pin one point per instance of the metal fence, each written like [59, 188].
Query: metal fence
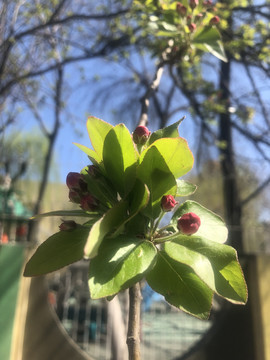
[166, 333]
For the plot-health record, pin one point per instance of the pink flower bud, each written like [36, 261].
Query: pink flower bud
[192, 27]
[181, 9]
[215, 20]
[141, 135]
[198, 17]
[74, 196]
[193, 3]
[89, 203]
[189, 223]
[168, 202]
[67, 225]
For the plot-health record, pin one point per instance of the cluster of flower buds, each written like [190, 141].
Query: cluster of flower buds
[189, 223]
[78, 192]
[140, 135]
[193, 20]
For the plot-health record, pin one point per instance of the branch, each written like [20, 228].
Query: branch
[53, 22]
[256, 192]
[133, 336]
[257, 94]
[149, 92]
[249, 135]
[69, 60]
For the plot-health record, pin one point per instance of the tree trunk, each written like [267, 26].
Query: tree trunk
[233, 210]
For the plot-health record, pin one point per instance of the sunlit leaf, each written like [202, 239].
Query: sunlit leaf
[93, 156]
[212, 226]
[180, 286]
[120, 159]
[154, 172]
[185, 188]
[176, 154]
[97, 130]
[170, 131]
[120, 263]
[59, 250]
[216, 264]
[109, 222]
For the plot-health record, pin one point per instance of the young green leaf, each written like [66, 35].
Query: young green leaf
[185, 188]
[180, 286]
[97, 131]
[120, 159]
[208, 39]
[216, 264]
[93, 156]
[154, 172]
[176, 154]
[59, 250]
[120, 263]
[73, 213]
[212, 226]
[109, 222]
[170, 131]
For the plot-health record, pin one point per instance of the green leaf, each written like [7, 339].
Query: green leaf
[215, 49]
[97, 131]
[93, 156]
[180, 286]
[207, 34]
[138, 199]
[120, 159]
[109, 222]
[176, 154]
[100, 187]
[185, 188]
[208, 39]
[154, 172]
[216, 264]
[120, 263]
[73, 213]
[59, 250]
[212, 226]
[170, 131]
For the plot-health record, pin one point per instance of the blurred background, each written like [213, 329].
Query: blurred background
[63, 60]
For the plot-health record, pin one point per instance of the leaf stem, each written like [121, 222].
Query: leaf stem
[133, 336]
[154, 228]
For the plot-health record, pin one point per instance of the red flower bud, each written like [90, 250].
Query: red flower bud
[75, 181]
[215, 20]
[67, 225]
[192, 27]
[74, 196]
[193, 3]
[181, 9]
[168, 202]
[189, 223]
[141, 135]
[89, 203]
